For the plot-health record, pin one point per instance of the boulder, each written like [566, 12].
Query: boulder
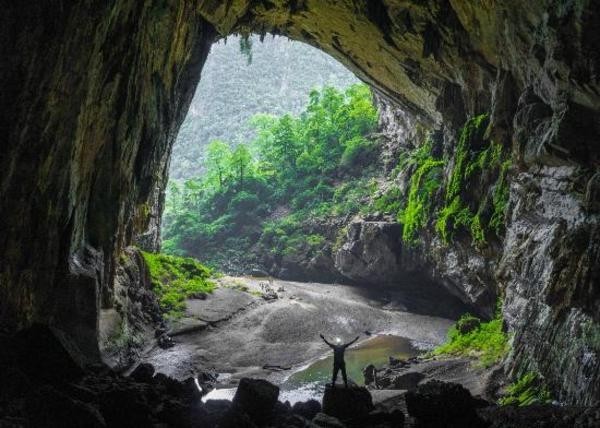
[442, 404]
[370, 374]
[323, 420]
[143, 373]
[408, 381]
[307, 409]
[347, 403]
[50, 407]
[257, 398]
[384, 417]
[467, 324]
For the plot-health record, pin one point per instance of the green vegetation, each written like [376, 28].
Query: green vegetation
[527, 390]
[424, 183]
[477, 161]
[175, 279]
[485, 340]
[475, 157]
[278, 189]
[272, 76]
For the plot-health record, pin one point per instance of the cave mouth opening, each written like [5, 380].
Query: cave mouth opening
[280, 153]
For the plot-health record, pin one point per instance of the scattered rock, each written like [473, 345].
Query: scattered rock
[323, 420]
[270, 295]
[395, 362]
[256, 397]
[307, 409]
[165, 341]
[370, 374]
[408, 381]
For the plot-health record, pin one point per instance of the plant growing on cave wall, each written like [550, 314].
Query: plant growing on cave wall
[527, 390]
[175, 279]
[477, 160]
[424, 183]
[485, 341]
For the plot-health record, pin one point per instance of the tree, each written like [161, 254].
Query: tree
[218, 159]
[241, 162]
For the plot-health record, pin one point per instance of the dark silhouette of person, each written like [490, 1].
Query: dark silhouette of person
[338, 359]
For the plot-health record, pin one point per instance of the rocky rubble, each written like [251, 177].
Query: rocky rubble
[43, 385]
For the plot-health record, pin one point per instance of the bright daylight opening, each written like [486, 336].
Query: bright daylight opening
[279, 163]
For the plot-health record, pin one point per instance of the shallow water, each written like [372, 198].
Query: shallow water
[309, 381]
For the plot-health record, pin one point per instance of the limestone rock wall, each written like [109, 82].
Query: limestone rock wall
[92, 96]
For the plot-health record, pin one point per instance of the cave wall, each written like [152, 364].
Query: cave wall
[92, 96]
[93, 93]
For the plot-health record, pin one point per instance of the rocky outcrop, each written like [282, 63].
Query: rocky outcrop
[92, 97]
[134, 319]
[93, 94]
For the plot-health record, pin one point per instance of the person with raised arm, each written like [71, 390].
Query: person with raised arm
[338, 358]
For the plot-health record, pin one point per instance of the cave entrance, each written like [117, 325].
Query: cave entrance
[279, 152]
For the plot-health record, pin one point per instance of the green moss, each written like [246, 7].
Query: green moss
[174, 279]
[527, 390]
[315, 240]
[451, 217]
[390, 202]
[474, 158]
[423, 184]
[472, 131]
[487, 342]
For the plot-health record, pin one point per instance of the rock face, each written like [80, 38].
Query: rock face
[134, 318]
[90, 108]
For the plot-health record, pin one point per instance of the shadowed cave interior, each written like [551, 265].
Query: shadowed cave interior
[459, 176]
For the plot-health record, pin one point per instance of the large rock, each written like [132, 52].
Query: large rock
[307, 409]
[352, 403]
[257, 398]
[437, 404]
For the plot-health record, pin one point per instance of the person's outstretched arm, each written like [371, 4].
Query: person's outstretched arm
[325, 340]
[350, 343]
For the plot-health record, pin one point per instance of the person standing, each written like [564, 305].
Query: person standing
[338, 358]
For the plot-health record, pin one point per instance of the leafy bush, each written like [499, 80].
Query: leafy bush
[174, 279]
[527, 390]
[487, 342]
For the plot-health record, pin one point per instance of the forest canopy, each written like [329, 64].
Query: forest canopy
[310, 165]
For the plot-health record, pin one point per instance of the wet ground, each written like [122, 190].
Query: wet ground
[309, 381]
[237, 333]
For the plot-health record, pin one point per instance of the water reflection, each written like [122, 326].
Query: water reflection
[309, 382]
